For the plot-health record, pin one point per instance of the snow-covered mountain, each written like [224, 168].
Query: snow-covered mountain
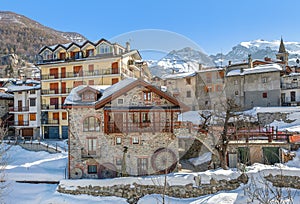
[259, 49]
[183, 60]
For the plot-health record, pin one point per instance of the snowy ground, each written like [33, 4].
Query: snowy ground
[28, 165]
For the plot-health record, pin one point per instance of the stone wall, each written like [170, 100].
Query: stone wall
[133, 192]
[267, 118]
[284, 181]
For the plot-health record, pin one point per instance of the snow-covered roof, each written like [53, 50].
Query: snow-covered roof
[73, 98]
[14, 88]
[255, 70]
[6, 95]
[178, 75]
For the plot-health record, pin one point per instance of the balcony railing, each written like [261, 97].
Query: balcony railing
[21, 123]
[113, 127]
[52, 107]
[99, 72]
[19, 109]
[50, 122]
[290, 86]
[56, 91]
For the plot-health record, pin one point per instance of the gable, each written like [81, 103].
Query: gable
[135, 94]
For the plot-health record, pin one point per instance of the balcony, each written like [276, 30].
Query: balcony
[52, 107]
[19, 109]
[113, 127]
[21, 123]
[50, 122]
[290, 86]
[56, 91]
[99, 72]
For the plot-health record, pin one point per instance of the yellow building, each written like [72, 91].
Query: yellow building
[65, 66]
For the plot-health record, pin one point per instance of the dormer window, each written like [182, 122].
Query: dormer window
[88, 96]
[147, 96]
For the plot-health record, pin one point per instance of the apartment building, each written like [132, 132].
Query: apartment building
[65, 66]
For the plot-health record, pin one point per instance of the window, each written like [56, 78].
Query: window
[188, 94]
[32, 117]
[92, 169]
[91, 68]
[236, 93]
[147, 96]
[91, 124]
[264, 80]
[118, 140]
[265, 95]
[235, 82]
[145, 117]
[188, 80]
[91, 82]
[64, 115]
[103, 48]
[135, 140]
[120, 101]
[32, 91]
[32, 102]
[92, 146]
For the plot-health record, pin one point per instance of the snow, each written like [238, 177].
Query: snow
[255, 70]
[206, 157]
[24, 165]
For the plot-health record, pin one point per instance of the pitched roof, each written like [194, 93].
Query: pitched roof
[282, 47]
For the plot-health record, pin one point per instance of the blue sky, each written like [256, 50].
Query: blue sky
[213, 25]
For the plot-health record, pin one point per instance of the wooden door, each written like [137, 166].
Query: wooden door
[63, 87]
[54, 87]
[63, 72]
[19, 105]
[115, 68]
[20, 120]
[142, 166]
[54, 72]
[114, 80]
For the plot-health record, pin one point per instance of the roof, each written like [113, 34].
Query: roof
[258, 69]
[178, 75]
[14, 88]
[115, 91]
[6, 96]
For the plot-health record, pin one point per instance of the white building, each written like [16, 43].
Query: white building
[27, 108]
[290, 90]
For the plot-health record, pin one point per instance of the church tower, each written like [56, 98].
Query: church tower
[282, 54]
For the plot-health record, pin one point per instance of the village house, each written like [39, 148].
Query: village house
[66, 66]
[126, 129]
[26, 108]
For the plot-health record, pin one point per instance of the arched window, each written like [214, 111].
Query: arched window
[91, 124]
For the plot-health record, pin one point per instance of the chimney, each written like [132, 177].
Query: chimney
[229, 63]
[267, 59]
[200, 67]
[127, 46]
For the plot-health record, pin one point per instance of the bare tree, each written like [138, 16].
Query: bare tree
[225, 116]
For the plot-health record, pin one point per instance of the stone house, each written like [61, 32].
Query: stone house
[126, 129]
[181, 85]
[257, 86]
[6, 102]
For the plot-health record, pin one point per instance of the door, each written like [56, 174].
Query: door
[53, 103]
[65, 132]
[244, 155]
[142, 166]
[293, 96]
[271, 155]
[54, 73]
[282, 98]
[63, 72]
[115, 68]
[114, 80]
[20, 120]
[63, 87]
[53, 132]
[27, 132]
[53, 88]
[20, 105]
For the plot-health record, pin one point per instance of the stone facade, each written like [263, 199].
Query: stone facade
[132, 134]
